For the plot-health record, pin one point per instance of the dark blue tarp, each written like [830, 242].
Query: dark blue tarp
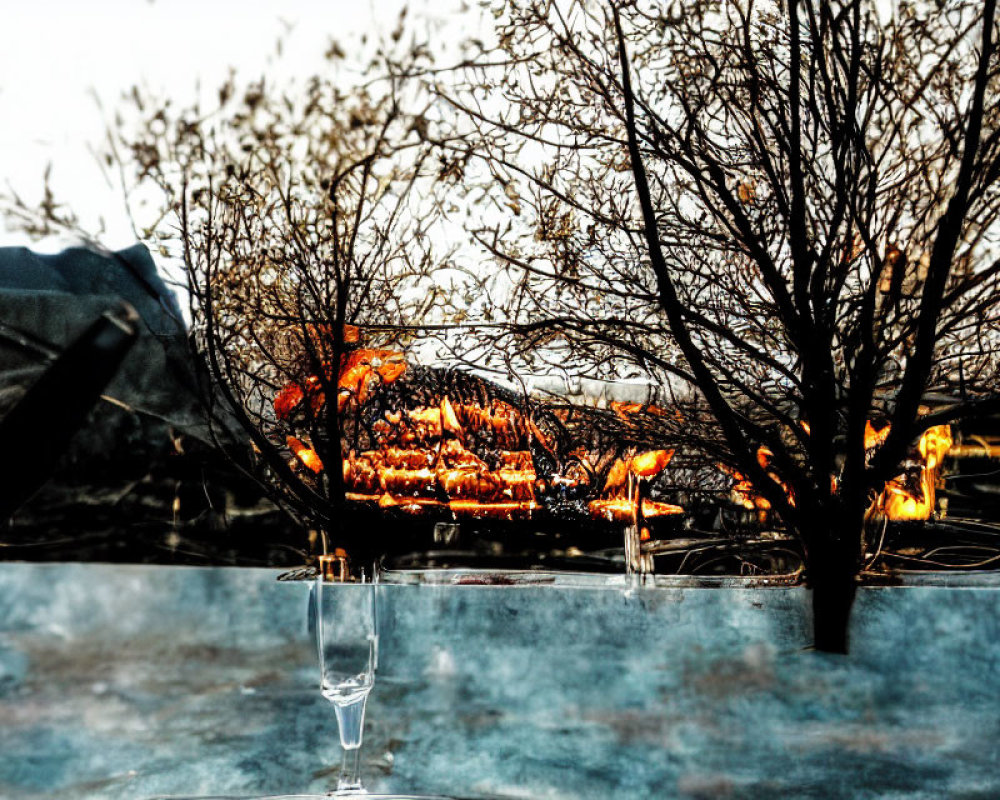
[129, 274]
[46, 301]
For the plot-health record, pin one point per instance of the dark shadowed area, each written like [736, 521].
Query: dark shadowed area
[141, 480]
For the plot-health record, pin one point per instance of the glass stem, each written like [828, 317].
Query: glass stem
[351, 724]
[349, 781]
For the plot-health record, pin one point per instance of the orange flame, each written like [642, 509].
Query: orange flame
[650, 463]
[294, 393]
[305, 454]
[875, 438]
[620, 502]
[360, 371]
[743, 491]
[902, 498]
[287, 400]
[907, 500]
[623, 509]
[424, 462]
[625, 410]
[431, 468]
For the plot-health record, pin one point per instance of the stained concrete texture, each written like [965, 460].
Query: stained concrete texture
[133, 682]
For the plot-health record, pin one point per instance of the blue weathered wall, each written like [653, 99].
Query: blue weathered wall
[130, 682]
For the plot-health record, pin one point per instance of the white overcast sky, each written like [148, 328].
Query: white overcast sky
[55, 54]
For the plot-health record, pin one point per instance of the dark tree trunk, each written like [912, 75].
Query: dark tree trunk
[832, 563]
[833, 592]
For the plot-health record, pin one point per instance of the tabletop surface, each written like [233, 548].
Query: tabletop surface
[142, 682]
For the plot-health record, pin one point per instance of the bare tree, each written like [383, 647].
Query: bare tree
[303, 221]
[790, 207]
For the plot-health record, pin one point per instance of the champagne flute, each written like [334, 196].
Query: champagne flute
[347, 641]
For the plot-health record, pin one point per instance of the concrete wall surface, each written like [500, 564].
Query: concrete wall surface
[139, 682]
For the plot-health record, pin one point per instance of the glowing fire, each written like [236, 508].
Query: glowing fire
[360, 372]
[743, 491]
[425, 459]
[909, 496]
[913, 498]
[620, 500]
[423, 463]
[874, 438]
[623, 509]
[419, 478]
[306, 455]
